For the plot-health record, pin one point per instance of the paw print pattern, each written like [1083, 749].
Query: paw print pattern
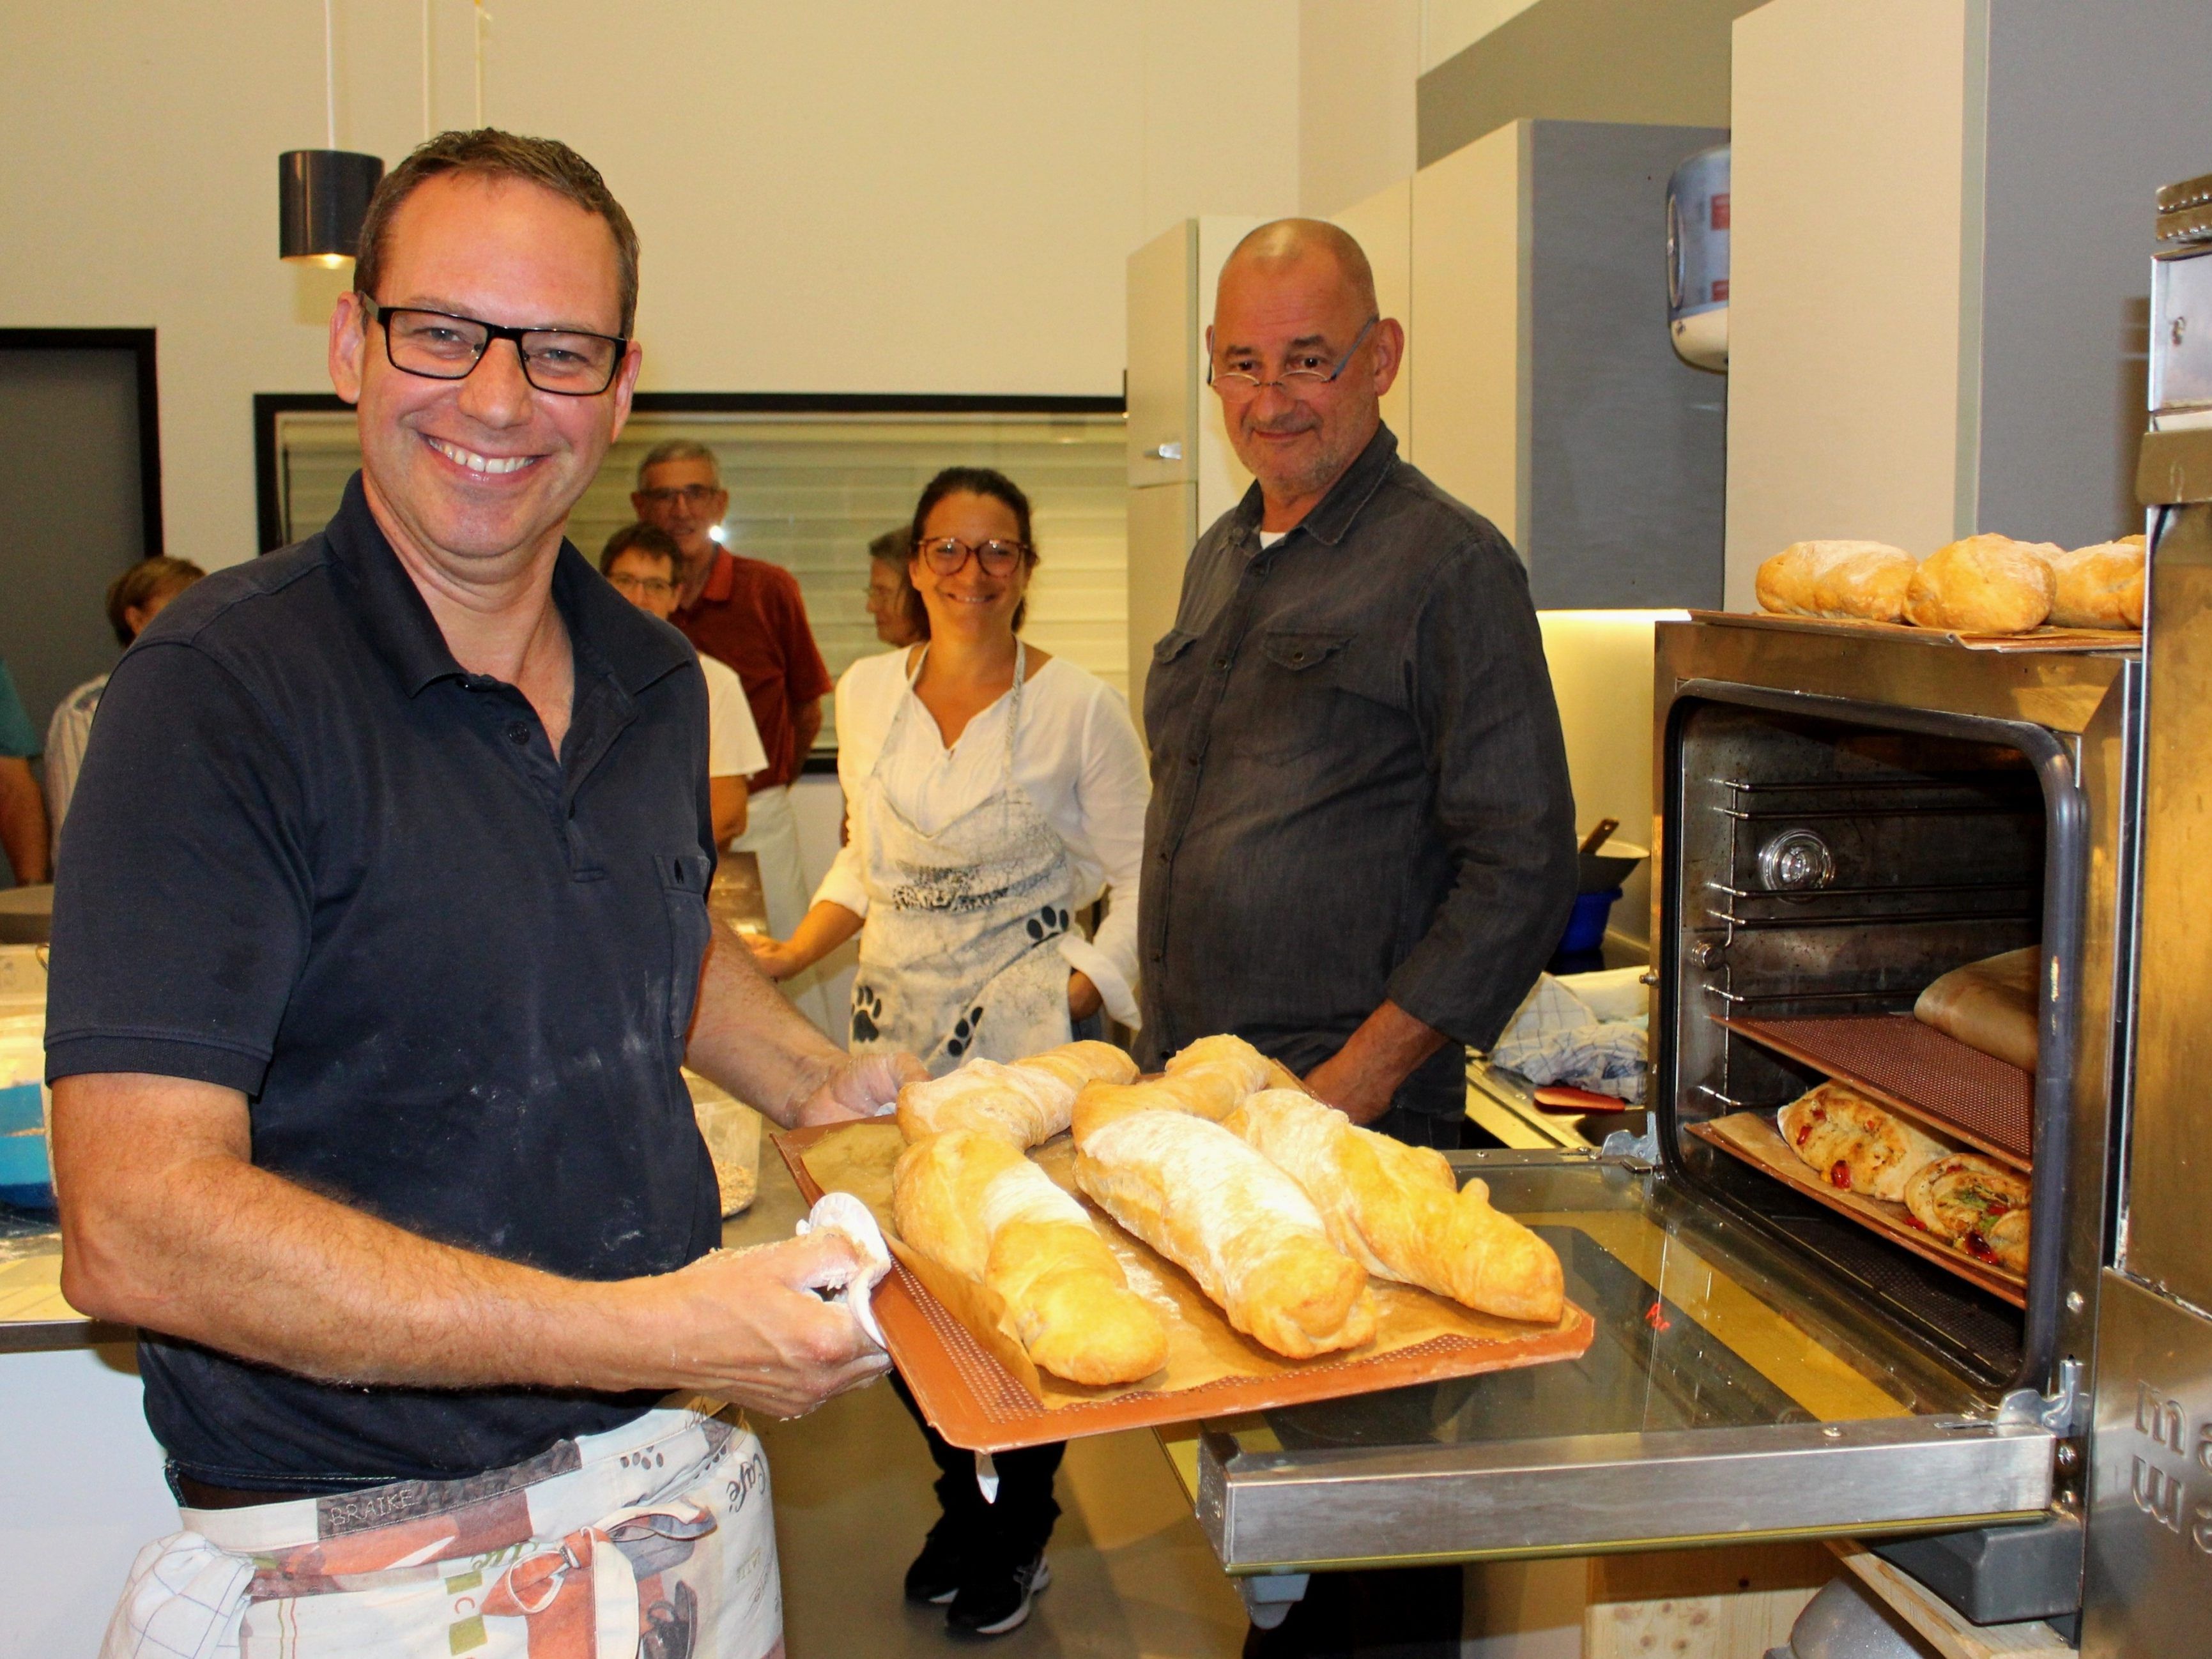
[963, 1034]
[868, 1009]
[1047, 922]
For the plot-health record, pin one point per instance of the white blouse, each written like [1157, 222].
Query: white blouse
[1077, 757]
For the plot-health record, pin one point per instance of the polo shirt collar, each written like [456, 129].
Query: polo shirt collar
[721, 578]
[607, 631]
[1332, 519]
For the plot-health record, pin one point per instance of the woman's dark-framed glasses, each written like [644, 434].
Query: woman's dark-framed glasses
[440, 346]
[946, 554]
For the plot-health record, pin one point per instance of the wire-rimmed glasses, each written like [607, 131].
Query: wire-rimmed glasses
[1301, 376]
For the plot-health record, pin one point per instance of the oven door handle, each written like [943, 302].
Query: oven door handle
[1295, 1511]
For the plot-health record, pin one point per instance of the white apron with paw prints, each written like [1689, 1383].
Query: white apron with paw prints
[960, 951]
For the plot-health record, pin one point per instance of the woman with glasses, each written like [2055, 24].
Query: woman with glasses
[991, 792]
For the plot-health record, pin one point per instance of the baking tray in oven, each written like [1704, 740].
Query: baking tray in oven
[1933, 1079]
[1752, 1137]
[2039, 639]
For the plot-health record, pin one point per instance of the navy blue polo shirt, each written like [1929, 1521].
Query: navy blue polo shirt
[312, 859]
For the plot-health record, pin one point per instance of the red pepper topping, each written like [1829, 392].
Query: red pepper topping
[1839, 1174]
[1976, 1246]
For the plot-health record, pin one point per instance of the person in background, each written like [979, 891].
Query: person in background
[381, 945]
[893, 604]
[24, 839]
[642, 562]
[1361, 851]
[747, 613]
[134, 598]
[991, 792]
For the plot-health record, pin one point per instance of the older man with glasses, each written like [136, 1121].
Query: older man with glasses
[1360, 851]
[380, 944]
[748, 613]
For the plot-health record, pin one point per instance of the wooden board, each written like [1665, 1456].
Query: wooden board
[1938, 1624]
[980, 1392]
[2040, 639]
[1929, 1077]
[1752, 1137]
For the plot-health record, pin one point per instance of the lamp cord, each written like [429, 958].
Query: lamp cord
[330, 77]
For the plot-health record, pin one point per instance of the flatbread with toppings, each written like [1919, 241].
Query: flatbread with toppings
[1857, 1145]
[1973, 1203]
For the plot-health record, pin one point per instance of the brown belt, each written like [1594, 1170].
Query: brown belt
[198, 1495]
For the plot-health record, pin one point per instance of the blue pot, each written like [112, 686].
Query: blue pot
[1586, 926]
[27, 1180]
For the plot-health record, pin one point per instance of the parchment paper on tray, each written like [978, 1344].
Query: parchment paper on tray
[982, 1393]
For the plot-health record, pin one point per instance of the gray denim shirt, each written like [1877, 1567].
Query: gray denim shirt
[1359, 789]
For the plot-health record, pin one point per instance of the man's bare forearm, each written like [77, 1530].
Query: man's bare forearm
[805, 727]
[23, 832]
[746, 1036]
[165, 1225]
[1362, 1076]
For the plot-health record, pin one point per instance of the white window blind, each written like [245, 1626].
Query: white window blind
[809, 491]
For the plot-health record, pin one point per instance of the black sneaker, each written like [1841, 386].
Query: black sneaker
[935, 1576]
[994, 1598]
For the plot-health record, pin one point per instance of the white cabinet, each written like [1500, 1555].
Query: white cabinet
[1383, 225]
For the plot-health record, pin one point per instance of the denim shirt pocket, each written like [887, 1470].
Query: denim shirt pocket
[1291, 704]
[1167, 688]
[683, 881]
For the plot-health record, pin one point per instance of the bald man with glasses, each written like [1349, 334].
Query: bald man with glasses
[1360, 851]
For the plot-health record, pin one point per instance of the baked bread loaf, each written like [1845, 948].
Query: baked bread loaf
[1990, 1004]
[1975, 1203]
[1026, 1103]
[1234, 1222]
[2099, 586]
[1207, 1079]
[1399, 1211]
[1857, 1145]
[1865, 579]
[1983, 585]
[971, 1201]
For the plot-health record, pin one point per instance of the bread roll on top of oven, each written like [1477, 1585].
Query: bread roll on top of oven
[2099, 586]
[1837, 579]
[1985, 584]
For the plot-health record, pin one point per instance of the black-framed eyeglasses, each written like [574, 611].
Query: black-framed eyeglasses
[946, 554]
[1302, 374]
[438, 345]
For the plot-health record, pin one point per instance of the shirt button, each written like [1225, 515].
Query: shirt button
[1222, 662]
[518, 733]
[1193, 759]
[1157, 958]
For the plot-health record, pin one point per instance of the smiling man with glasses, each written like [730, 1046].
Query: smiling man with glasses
[381, 942]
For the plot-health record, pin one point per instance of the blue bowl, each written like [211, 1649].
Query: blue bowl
[1586, 926]
[19, 1107]
[27, 1180]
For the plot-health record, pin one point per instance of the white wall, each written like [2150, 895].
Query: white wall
[1451, 26]
[855, 196]
[1357, 63]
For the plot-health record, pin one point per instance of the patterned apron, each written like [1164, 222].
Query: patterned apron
[960, 953]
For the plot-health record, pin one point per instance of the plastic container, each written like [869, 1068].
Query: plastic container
[27, 1181]
[731, 1131]
[1586, 926]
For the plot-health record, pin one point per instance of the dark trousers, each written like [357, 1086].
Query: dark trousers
[1021, 1522]
[1405, 1613]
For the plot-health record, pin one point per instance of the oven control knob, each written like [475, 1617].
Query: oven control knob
[1796, 861]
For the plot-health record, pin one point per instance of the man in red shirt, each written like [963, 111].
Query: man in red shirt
[748, 613]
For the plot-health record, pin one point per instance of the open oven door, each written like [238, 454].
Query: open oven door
[1727, 1397]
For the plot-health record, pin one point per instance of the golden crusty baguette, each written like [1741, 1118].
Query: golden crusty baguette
[1399, 1211]
[1027, 1103]
[1983, 585]
[1865, 579]
[1234, 1222]
[1206, 1080]
[1229, 1057]
[971, 1202]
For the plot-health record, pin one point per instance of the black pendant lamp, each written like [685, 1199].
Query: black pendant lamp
[323, 194]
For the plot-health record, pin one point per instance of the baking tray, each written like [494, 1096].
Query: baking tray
[2041, 639]
[1753, 1137]
[1932, 1078]
[977, 1402]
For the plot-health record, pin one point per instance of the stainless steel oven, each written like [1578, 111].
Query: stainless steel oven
[1842, 815]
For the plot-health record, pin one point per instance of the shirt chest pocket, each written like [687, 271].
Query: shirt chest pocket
[1293, 697]
[684, 877]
